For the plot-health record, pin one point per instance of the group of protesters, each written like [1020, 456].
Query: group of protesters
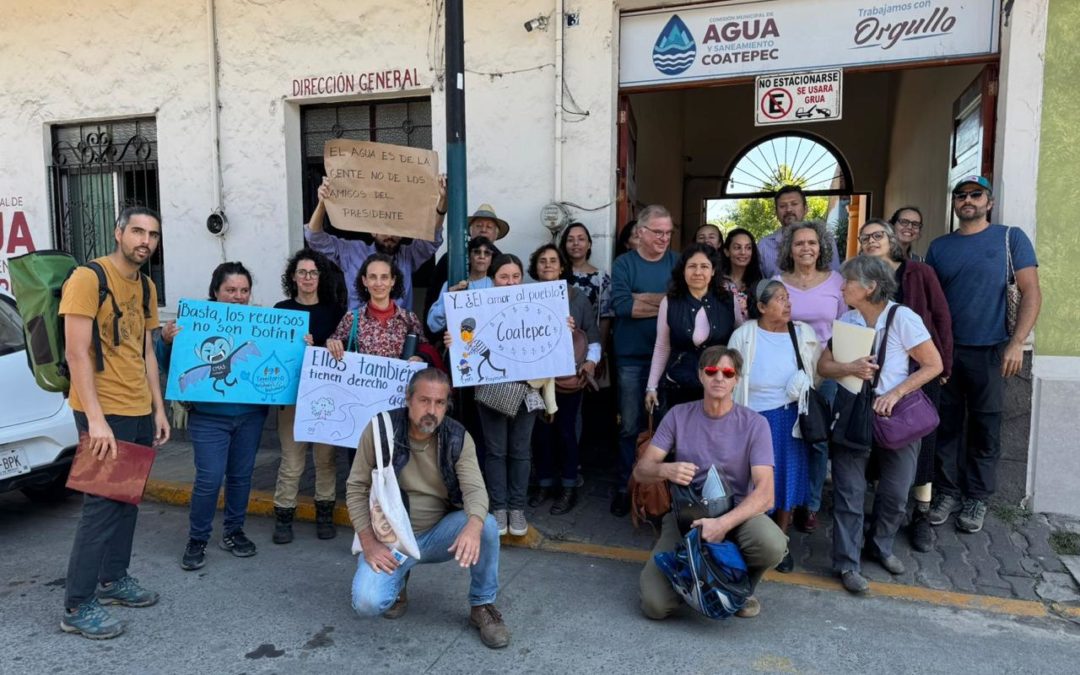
[722, 345]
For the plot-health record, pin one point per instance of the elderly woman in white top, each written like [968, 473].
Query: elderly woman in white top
[774, 386]
[868, 284]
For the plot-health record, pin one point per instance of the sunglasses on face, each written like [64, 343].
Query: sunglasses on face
[727, 372]
[973, 194]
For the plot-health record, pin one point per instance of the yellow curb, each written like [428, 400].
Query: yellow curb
[262, 503]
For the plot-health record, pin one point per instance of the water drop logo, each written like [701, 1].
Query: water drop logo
[270, 377]
[674, 50]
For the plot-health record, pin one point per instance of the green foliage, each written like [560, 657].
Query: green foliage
[759, 215]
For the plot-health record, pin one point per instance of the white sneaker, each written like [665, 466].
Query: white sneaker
[518, 526]
[500, 520]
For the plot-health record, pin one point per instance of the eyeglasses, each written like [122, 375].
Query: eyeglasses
[481, 252]
[307, 274]
[913, 224]
[972, 195]
[662, 234]
[871, 236]
[726, 371]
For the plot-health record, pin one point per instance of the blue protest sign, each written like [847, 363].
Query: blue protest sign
[227, 353]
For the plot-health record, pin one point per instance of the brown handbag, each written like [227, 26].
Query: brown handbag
[570, 384]
[648, 502]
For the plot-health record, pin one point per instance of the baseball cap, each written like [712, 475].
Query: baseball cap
[981, 181]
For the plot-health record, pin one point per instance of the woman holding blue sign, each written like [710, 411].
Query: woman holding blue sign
[314, 285]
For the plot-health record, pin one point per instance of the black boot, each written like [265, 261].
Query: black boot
[324, 520]
[922, 536]
[540, 495]
[283, 526]
[565, 502]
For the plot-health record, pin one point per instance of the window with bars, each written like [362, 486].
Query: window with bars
[98, 169]
[401, 122]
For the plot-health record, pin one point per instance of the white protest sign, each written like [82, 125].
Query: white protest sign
[509, 333]
[789, 98]
[337, 399]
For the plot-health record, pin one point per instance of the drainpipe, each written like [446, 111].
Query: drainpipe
[216, 223]
[560, 23]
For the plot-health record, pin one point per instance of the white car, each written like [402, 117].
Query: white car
[37, 432]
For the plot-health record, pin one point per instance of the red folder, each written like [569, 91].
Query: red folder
[122, 479]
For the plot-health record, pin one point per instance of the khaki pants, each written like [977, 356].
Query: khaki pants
[760, 541]
[293, 460]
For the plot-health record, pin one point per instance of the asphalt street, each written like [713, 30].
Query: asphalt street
[286, 610]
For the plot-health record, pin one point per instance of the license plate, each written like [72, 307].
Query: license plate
[13, 462]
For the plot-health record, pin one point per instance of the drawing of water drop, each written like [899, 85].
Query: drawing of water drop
[674, 50]
[270, 376]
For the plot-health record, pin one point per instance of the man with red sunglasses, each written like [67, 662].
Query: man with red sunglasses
[736, 440]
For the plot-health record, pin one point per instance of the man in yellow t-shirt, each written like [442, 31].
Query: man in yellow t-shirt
[121, 402]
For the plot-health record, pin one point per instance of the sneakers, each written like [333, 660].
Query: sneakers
[126, 591]
[922, 536]
[500, 520]
[518, 526]
[283, 533]
[751, 609]
[324, 520]
[942, 506]
[892, 564]
[493, 631]
[971, 516]
[194, 555]
[854, 582]
[91, 620]
[237, 543]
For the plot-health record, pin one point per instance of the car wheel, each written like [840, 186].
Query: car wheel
[55, 490]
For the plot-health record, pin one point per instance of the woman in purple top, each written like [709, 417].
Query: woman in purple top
[805, 257]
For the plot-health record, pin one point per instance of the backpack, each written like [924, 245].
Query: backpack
[37, 280]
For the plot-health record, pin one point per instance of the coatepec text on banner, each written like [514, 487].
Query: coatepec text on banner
[229, 353]
[509, 333]
[382, 188]
[337, 399]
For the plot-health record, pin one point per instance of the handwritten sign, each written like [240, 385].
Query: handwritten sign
[382, 188]
[227, 353]
[509, 333]
[337, 399]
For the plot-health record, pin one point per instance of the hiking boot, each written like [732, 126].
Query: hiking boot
[787, 564]
[854, 582]
[565, 502]
[493, 631]
[91, 620]
[922, 535]
[398, 609]
[237, 543]
[971, 516]
[518, 526]
[324, 520]
[194, 555]
[942, 506]
[892, 564]
[751, 609]
[541, 495]
[500, 520]
[283, 533]
[126, 591]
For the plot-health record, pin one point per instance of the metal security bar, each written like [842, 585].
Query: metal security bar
[97, 170]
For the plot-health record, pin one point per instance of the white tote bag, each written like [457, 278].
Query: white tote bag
[389, 519]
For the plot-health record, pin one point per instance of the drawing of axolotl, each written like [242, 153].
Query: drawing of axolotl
[322, 408]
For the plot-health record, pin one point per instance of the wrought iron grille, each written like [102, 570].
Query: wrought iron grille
[97, 170]
[401, 122]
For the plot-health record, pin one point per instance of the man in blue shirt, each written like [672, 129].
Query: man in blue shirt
[638, 282]
[973, 264]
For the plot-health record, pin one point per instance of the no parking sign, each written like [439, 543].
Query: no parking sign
[788, 98]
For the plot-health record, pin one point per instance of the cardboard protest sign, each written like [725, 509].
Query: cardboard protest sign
[227, 353]
[382, 188]
[337, 399]
[509, 333]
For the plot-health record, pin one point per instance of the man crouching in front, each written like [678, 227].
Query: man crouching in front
[737, 441]
[435, 462]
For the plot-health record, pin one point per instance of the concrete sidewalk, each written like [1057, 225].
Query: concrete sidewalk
[1010, 563]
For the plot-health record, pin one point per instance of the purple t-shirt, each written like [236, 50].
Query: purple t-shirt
[733, 443]
[819, 306]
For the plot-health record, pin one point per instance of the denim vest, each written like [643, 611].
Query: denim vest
[451, 439]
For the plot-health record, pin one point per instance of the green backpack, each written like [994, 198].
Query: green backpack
[37, 280]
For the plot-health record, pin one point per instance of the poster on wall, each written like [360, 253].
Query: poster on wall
[336, 399]
[749, 37]
[382, 188]
[15, 237]
[509, 333]
[228, 353]
[787, 98]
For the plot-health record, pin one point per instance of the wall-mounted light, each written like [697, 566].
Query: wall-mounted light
[540, 22]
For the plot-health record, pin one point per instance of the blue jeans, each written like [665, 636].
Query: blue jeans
[374, 592]
[633, 376]
[225, 449]
[818, 458]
